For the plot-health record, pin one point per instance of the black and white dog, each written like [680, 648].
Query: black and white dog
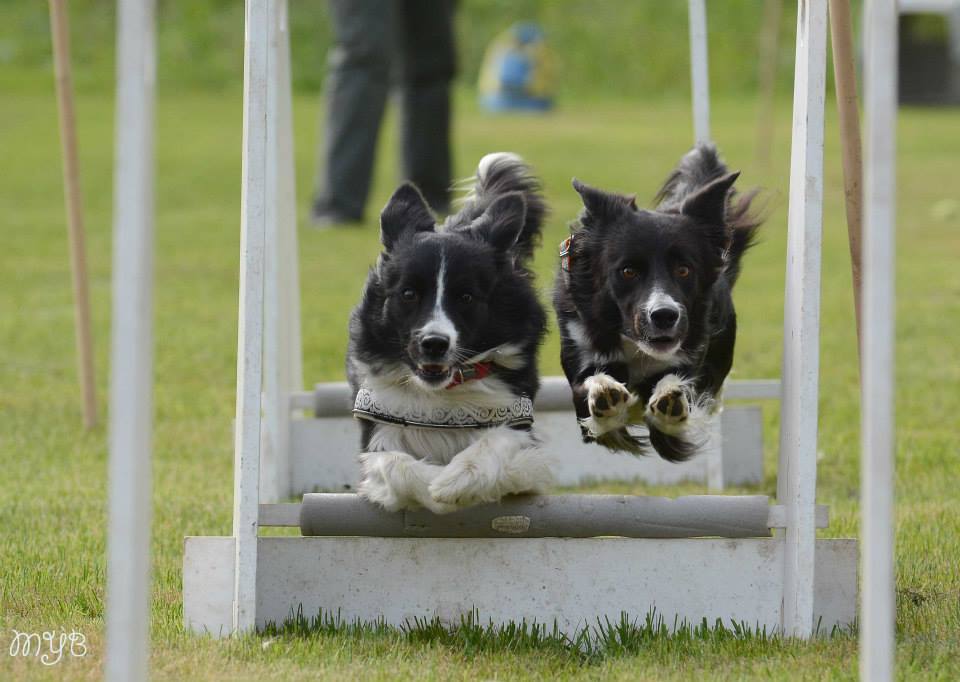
[644, 305]
[442, 357]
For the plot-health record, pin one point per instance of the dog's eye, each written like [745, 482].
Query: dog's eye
[629, 273]
[466, 298]
[682, 271]
[408, 295]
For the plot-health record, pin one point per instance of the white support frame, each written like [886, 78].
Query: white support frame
[699, 70]
[131, 366]
[797, 476]
[295, 460]
[250, 345]
[283, 357]
[878, 606]
[781, 582]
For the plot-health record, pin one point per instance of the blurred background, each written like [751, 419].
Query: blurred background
[621, 120]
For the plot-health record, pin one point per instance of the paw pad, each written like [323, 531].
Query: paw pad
[670, 406]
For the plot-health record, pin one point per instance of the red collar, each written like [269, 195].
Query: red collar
[462, 375]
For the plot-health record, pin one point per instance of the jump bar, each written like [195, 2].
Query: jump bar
[565, 516]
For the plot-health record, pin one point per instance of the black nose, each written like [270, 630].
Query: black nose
[435, 345]
[664, 318]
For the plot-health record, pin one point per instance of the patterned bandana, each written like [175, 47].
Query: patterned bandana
[517, 413]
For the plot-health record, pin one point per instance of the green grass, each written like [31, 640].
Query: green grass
[52, 490]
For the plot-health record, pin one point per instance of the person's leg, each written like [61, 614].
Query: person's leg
[428, 63]
[358, 79]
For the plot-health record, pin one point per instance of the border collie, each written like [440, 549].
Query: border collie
[443, 346]
[643, 300]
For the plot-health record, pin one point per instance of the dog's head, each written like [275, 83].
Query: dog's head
[653, 269]
[440, 298]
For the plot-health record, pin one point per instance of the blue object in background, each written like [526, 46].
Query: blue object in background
[518, 71]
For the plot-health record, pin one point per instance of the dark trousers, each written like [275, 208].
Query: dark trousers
[378, 43]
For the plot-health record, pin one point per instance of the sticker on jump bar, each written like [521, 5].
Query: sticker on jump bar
[515, 525]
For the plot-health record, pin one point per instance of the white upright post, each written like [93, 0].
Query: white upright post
[877, 605]
[131, 366]
[282, 353]
[253, 220]
[699, 72]
[797, 475]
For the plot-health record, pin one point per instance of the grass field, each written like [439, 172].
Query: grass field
[52, 501]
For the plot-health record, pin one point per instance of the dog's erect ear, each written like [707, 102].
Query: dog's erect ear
[502, 222]
[604, 204]
[709, 203]
[406, 211]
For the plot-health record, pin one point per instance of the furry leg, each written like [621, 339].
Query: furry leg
[396, 480]
[503, 462]
[678, 418]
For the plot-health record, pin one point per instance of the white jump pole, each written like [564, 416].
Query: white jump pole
[797, 475]
[253, 225]
[877, 604]
[131, 370]
[60, 28]
[699, 71]
[283, 358]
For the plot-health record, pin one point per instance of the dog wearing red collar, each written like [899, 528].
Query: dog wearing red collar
[443, 348]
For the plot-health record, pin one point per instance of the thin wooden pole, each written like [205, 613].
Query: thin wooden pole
[60, 28]
[844, 71]
[878, 604]
[131, 355]
[769, 49]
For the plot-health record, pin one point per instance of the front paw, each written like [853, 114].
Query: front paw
[460, 484]
[669, 406]
[609, 403]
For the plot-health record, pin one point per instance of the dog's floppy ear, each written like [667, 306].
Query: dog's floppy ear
[604, 204]
[406, 211]
[709, 203]
[502, 223]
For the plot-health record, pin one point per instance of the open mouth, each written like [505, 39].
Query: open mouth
[433, 373]
[662, 343]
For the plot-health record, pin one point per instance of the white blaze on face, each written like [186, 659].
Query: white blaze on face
[439, 323]
[659, 299]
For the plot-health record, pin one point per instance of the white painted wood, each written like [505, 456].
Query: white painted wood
[572, 581]
[321, 448]
[798, 434]
[323, 453]
[538, 516]
[712, 455]
[208, 584]
[877, 619]
[699, 70]
[742, 438]
[282, 353]
[287, 515]
[250, 334]
[131, 366]
[280, 515]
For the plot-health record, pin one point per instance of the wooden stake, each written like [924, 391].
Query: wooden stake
[844, 72]
[71, 186]
[769, 49]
